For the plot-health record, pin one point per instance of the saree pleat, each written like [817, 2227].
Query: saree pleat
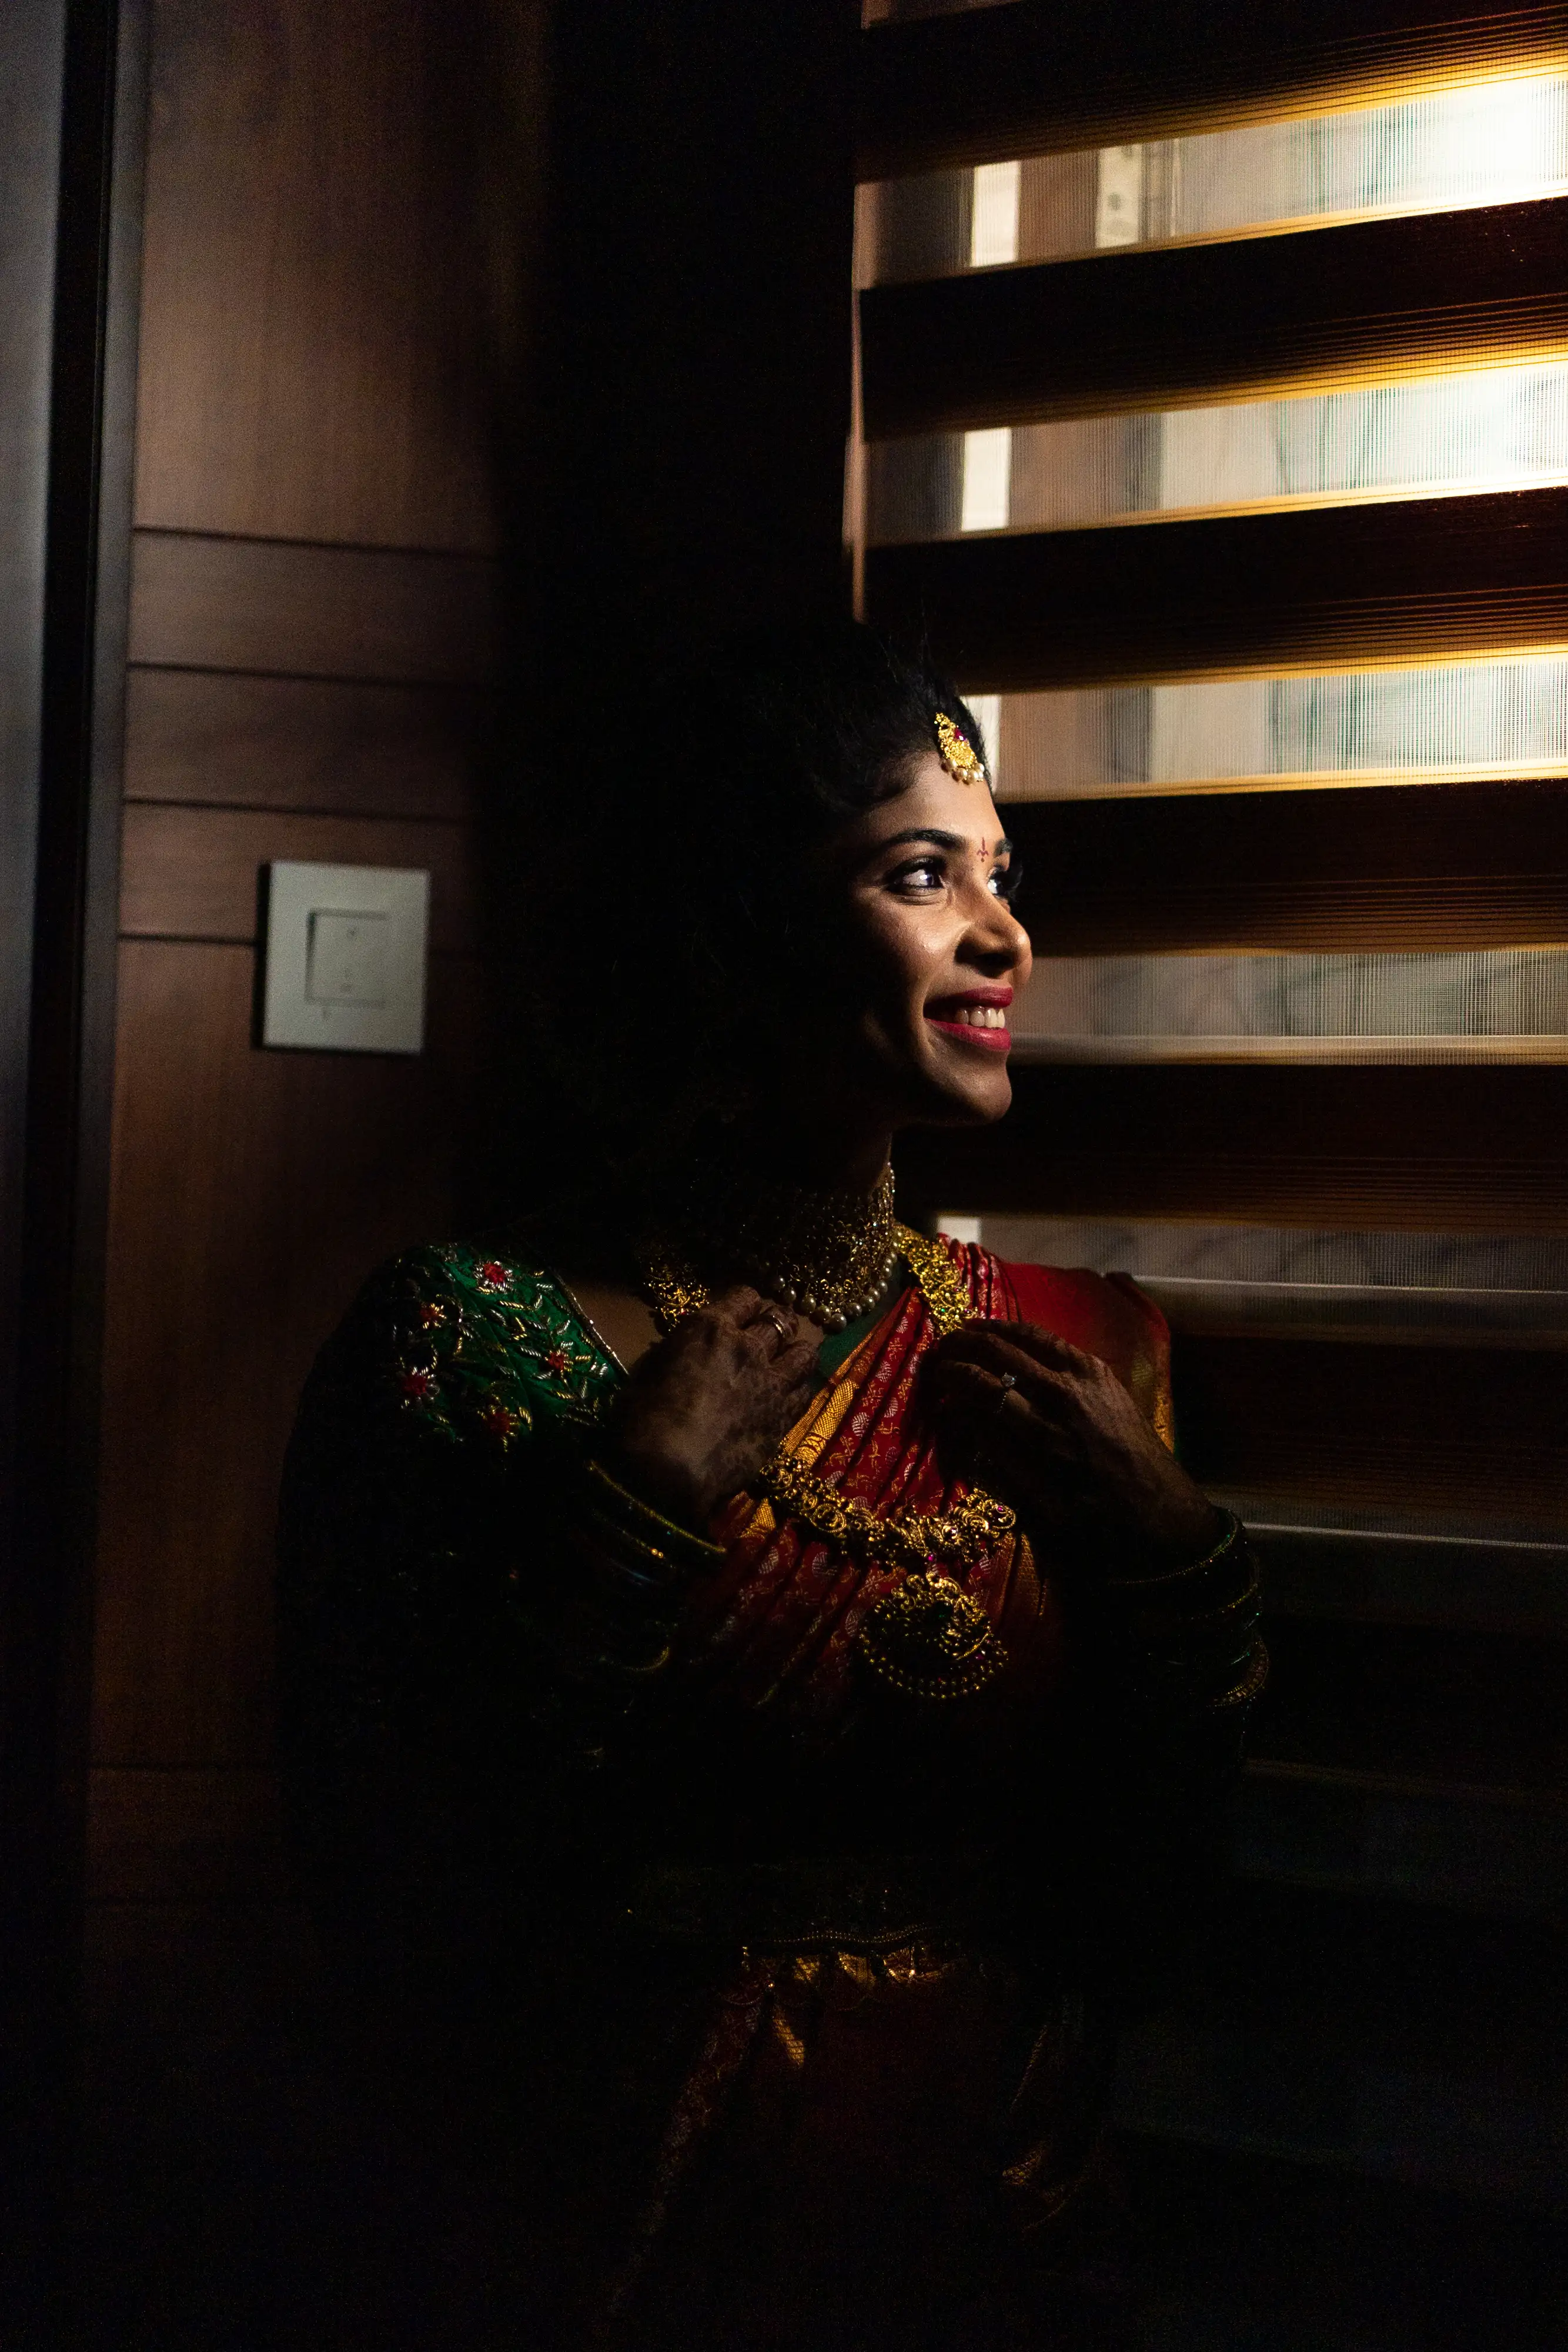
[783, 1615]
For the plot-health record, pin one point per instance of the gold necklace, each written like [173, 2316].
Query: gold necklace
[831, 1254]
[929, 1638]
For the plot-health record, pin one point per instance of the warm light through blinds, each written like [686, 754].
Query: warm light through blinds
[1493, 142]
[1498, 428]
[1452, 721]
[1498, 1004]
[1260, 1253]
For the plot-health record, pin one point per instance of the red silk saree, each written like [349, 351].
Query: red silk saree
[825, 1958]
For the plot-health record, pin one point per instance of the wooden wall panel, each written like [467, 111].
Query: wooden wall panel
[171, 1836]
[201, 603]
[192, 873]
[312, 316]
[312, 634]
[302, 743]
[252, 1191]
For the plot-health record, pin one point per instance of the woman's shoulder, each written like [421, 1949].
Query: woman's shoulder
[471, 1340]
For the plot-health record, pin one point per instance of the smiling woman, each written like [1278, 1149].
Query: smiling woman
[743, 1655]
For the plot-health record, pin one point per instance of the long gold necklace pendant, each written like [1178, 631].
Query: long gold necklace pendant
[931, 1639]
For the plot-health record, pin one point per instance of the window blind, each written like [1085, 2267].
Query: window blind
[1214, 376]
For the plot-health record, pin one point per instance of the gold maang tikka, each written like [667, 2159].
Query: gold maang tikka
[957, 754]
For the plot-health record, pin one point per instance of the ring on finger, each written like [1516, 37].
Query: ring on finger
[1008, 1384]
[786, 1330]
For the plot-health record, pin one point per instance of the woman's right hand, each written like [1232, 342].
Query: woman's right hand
[702, 1411]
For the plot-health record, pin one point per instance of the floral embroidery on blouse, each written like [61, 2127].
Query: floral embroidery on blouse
[481, 1345]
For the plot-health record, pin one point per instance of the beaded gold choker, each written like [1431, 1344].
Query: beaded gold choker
[831, 1254]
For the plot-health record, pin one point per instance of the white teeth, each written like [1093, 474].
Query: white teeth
[979, 1016]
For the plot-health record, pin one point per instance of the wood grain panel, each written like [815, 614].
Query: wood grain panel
[252, 1193]
[312, 321]
[1444, 865]
[1330, 588]
[1464, 1433]
[302, 743]
[169, 1975]
[193, 874]
[995, 82]
[173, 1835]
[1246, 319]
[198, 603]
[1433, 1149]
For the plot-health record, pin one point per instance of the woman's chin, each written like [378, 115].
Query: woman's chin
[989, 1103]
[966, 1098]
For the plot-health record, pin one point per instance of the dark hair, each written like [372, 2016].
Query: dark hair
[816, 724]
[707, 800]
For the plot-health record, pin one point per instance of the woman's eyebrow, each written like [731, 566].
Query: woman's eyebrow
[1003, 847]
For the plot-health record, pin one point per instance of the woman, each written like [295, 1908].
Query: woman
[750, 1657]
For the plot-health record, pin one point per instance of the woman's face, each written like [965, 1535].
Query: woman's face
[915, 1017]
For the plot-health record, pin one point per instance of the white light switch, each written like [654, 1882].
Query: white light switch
[345, 958]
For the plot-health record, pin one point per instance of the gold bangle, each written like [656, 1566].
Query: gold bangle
[581, 1659]
[645, 1564]
[1250, 1686]
[637, 1523]
[1152, 1625]
[1194, 1567]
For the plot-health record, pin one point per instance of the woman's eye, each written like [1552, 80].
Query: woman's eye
[1004, 882]
[925, 875]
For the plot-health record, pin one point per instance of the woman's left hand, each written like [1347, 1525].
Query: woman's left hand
[1054, 1431]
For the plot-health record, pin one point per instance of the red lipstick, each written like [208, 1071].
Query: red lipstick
[975, 1017]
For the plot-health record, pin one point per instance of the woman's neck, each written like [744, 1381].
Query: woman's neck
[807, 1204]
[836, 1158]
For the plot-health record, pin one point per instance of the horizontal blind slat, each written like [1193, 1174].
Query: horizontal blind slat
[1423, 1703]
[1444, 865]
[1034, 78]
[1466, 1149]
[1470, 1434]
[1242, 318]
[1320, 589]
[1471, 1584]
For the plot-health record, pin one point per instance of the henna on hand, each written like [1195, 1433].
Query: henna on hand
[1053, 1428]
[705, 1408]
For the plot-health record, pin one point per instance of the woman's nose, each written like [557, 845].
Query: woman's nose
[998, 938]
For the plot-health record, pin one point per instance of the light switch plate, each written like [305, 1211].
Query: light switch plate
[345, 958]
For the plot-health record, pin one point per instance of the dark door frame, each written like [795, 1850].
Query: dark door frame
[72, 139]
